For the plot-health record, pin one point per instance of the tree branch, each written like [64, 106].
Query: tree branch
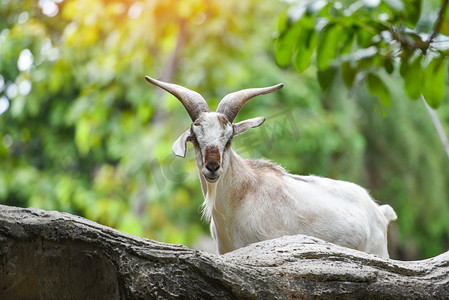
[52, 255]
[439, 21]
[421, 45]
[407, 44]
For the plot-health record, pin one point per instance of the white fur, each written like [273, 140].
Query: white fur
[277, 203]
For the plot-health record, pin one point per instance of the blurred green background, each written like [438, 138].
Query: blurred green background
[81, 131]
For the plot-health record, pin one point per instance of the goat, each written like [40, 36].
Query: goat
[248, 201]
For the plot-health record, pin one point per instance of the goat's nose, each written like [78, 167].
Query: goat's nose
[212, 166]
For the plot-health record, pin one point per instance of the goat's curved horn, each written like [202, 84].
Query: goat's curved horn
[193, 102]
[231, 104]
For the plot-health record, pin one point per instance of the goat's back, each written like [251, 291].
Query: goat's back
[336, 211]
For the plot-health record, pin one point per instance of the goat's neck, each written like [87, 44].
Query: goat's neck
[218, 197]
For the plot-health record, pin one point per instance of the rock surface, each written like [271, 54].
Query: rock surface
[53, 255]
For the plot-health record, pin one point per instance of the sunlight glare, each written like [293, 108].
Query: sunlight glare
[11, 91]
[25, 60]
[23, 17]
[4, 104]
[24, 87]
[2, 83]
[7, 139]
[49, 7]
[371, 3]
[199, 18]
[135, 10]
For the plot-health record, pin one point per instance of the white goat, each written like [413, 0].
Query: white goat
[248, 201]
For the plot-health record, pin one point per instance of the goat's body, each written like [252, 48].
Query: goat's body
[257, 200]
[253, 200]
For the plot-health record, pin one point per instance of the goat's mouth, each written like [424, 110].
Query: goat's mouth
[211, 178]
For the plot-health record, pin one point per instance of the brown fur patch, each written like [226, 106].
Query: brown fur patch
[263, 165]
[228, 144]
[212, 154]
[223, 120]
[239, 192]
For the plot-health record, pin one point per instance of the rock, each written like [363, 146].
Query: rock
[54, 255]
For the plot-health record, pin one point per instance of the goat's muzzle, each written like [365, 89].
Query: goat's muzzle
[212, 169]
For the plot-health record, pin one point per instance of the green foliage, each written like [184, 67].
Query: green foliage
[413, 76]
[434, 82]
[378, 88]
[306, 46]
[406, 167]
[364, 42]
[384, 31]
[328, 45]
[91, 137]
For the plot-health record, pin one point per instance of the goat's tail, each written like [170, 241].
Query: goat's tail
[388, 212]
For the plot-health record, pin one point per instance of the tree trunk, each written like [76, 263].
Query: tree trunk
[53, 255]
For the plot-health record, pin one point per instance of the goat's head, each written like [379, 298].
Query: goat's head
[211, 132]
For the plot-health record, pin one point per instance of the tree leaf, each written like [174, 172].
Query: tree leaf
[377, 87]
[283, 21]
[284, 45]
[348, 74]
[444, 27]
[326, 77]
[403, 68]
[413, 76]
[364, 38]
[306, 46]
[433, 88]
[388, 65]
[348, 40]
[328, 45]
[412, 12]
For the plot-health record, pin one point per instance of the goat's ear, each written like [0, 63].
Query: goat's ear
[180, 145]
[243, 126]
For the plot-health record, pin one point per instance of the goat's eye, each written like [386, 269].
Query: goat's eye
[229, 142]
